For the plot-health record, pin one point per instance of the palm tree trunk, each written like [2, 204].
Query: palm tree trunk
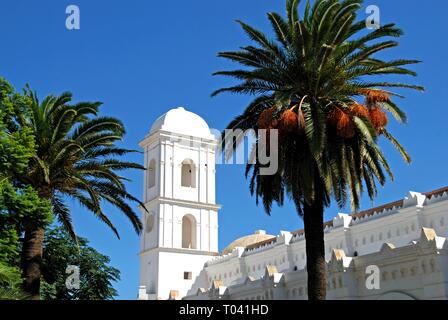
[32, 252]
[315, 245]
[32, 260]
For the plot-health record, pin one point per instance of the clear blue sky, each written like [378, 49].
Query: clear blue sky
[142, 58]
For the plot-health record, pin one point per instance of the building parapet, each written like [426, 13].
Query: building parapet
[420, 258]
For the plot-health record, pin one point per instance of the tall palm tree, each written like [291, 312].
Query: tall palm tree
[76, 158]
[313, 84]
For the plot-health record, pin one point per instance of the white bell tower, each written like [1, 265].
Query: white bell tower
[180, 226]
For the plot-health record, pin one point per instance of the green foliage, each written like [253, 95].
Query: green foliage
[9, 274]
[19, 207]
[96, 275]
[19, 204]
[318, 63]
[16, 144]
[9, 240]
[10, 281]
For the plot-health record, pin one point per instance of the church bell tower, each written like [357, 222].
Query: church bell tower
[180, 223]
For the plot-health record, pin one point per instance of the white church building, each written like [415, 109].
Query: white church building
[404, 242]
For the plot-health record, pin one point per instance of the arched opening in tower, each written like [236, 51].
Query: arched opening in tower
[188, 232]
[152, 173]
[188, 174]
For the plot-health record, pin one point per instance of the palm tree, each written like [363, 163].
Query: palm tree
[76, 158]
[308, 83]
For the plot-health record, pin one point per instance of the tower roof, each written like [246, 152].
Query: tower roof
[249, 240]
[183, 122]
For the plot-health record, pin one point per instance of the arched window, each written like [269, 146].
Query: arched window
[152, 173]
[189, 232]
[188, 174]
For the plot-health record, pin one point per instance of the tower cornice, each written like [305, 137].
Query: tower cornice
[180, 202]
[180, 250]
[166, 135]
